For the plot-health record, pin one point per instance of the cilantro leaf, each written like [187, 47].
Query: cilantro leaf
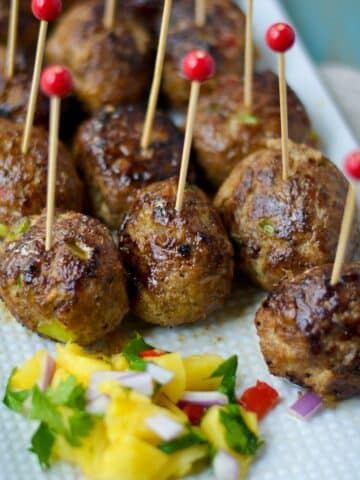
[15, 399]
[227, 370]
[238, 435]
[193, 437]
[132, 350]
[41, 444]
[80, 425]
[68, 393]
[248, 119]
[44, 410]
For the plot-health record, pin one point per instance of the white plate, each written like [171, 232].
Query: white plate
[328, 447]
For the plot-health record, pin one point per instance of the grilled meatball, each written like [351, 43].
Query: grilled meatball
[222, 36]
[107, 66]
[225, 132]
[282, 228]
[28, 26]
[14, 92]
[23, 178]
[108, 151]
[180, 264]
[76, 291]
[310, 331]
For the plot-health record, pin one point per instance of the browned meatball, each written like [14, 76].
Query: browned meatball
[225, 132]
[108, 151]
[281, 228]
[222, 36]
[310, 331]
[76, 291]
[107, 66]
[14, 92]
[28, 26]
[180, 264]
[23, 178]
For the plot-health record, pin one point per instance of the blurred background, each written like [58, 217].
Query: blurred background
[330, 30]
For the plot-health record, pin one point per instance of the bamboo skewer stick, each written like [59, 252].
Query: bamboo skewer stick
[11, 40]
[249, 56]
[109, 14]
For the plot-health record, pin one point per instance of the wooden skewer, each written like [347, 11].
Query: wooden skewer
[55, 103]
[155, 86]
[11, 40]
[346, 226]
[200, 13]
[284, 118]
[109, 14]
[249, 56]
[190, 122]
[30, 114]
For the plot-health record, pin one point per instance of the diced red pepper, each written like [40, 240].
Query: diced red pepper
[154, 352]
[259, 399]
[193, 411]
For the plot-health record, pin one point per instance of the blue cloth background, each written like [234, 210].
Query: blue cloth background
[329, 28]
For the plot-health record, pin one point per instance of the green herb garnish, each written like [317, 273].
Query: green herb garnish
[42, 443]
[238, 435]
[248, 119]
[193, 437]
[3, 230]
[267, 226]
[133, 349]
[18, 229]
[15, 400]
[227, 370]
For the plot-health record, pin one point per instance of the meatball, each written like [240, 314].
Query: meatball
[28, 25]
[310, 331]
[180, 264]
[222, 36]
[282, 228]
[14, 92]
[76, 291]
[23, 178]
[108, 150]
[107, 66]
[225, 132]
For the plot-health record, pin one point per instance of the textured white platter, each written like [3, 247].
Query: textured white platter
[328, 447]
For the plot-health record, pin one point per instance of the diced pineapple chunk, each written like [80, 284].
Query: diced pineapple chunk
[119, 362]
[164, 401]
[77, 362]
[198, 371]
[26, 376]
[173, 362]
[59, 375]
[182, 462]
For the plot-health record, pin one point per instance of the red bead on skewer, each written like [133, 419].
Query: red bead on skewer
[352, 165]
[280, 37]
[56, 81]
[46, 10]
[198, 65]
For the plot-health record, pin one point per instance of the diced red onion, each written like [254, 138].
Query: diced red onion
[48, 368]
[226, 467]
[159, 374]
[140, 381]
[306, 406]
[165, 427]
[98, 405]
[207, 399]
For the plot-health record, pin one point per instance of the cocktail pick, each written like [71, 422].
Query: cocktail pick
[197, 66]
[352, 169]
[280, 37]
[155, 86]
[109, 14]
[56, 83]
[11, 40]
[200, 13]
[45, 11]
[249, 56]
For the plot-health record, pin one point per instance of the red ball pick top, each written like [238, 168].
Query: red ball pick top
[56, 81]
[280, 37]
[352, 165]
[46, 10]
[198, 65]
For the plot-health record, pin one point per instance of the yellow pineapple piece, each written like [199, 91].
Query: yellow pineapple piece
[26, 376]
[199, 369]
[173, 362]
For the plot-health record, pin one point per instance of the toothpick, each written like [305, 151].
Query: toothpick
[200, 13]
[109, 14]
[284, 118]
[190, 121]
[39, 58]
[55, 103]
[155, 86]
[11, 40]
[346, 226]
[249, 56]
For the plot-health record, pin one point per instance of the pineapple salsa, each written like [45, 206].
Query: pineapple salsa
[143, 414]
